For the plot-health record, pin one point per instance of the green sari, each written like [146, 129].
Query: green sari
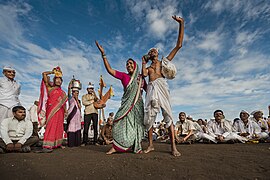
[128, 128]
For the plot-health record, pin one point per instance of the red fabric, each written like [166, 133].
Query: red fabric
[42, 101]
[118, 149]
[54, 118]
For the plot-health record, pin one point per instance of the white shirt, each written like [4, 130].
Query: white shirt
[221, 128]
[187, 125]
[197, 127]
[12, 129]
[33, 113]
[251, 127]
[263, 124]
[9, 92]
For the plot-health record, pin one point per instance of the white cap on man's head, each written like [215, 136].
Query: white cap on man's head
[244, 111]
[254, 112]
[153, 48]
[9, 68]
[90, 85]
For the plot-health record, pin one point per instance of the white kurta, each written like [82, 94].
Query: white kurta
[9, 97]
[264, 128]
[157, 97]
[224, 128]
[251, 127]
[199, 133]
[33, 114]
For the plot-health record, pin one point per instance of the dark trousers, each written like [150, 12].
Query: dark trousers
[29, 142]
[87, 122]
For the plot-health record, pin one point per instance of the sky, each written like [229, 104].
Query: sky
[224, 62]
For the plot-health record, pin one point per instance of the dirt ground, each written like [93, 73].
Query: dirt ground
[198, 161]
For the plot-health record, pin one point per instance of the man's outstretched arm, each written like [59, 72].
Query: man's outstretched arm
[180, 37]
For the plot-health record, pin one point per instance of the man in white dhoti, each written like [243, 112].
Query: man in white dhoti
[157, 96]
[9, 93]
[248, 128]
[221, 129]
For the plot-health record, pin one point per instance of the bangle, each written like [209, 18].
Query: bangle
[103, 55]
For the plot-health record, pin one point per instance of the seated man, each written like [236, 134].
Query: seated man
[16, 132]
[203, 125]
[258, 118]
[106, 132]
[245, 127]
[184, 129]
[221, 129]
[200, 132]
[163, 133]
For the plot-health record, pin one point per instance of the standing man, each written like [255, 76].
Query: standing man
[34, 117]
[157, 96]
[90, 113]
[9, 93]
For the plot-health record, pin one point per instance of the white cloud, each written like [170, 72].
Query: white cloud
[117, 43]
[192, 19]
[156, 15]
[246, 38]
[211, 41]
[252, 62]
[250, 10]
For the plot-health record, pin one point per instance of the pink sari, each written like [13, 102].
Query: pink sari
[55, 113]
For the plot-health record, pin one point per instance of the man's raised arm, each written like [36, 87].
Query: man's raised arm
[180, 37]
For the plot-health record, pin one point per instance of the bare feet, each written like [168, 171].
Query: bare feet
[176, 153]
[178, 19]
[139, 152]
[111, 151]
[149, 149]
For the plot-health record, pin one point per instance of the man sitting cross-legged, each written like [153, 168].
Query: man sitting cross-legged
[16, 132]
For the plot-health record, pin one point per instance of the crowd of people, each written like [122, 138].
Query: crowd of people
[43, 124]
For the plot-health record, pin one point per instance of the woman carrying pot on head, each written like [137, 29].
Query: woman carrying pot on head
[55, 109]
[74, 114]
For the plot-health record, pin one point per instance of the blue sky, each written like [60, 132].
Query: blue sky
[224, 62]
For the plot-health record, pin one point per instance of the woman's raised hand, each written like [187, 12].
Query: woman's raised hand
[100, 48]
[178, 19]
